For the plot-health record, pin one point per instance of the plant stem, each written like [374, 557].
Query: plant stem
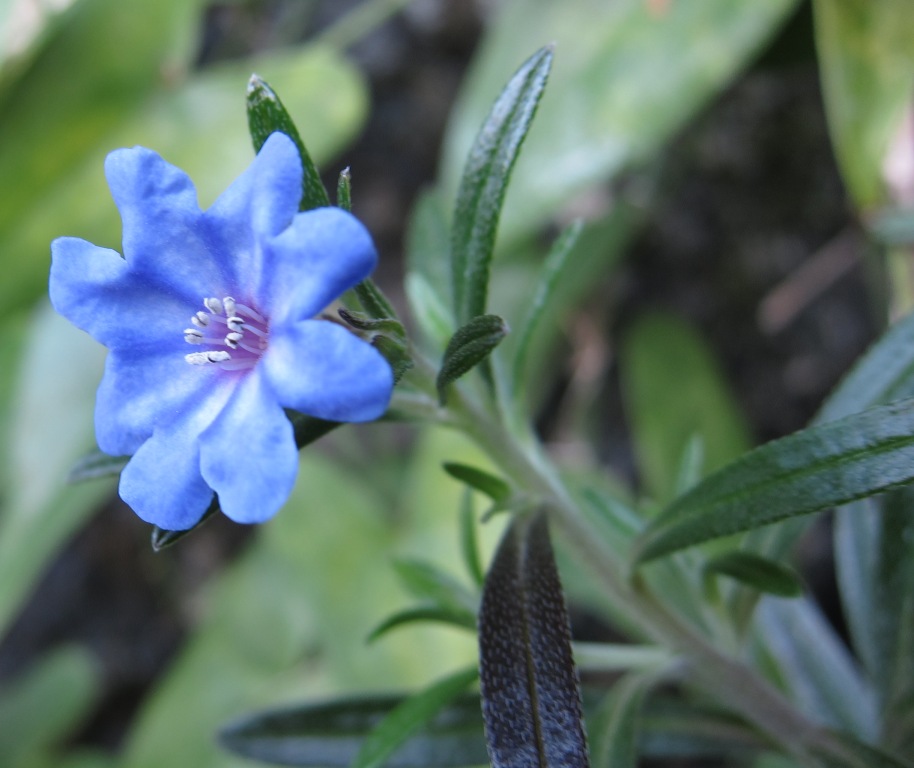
[730, 681]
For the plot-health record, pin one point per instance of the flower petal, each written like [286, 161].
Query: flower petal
[248, 455]
[258, 205]
[324, 253]
[144, 390]
[164, 243]
[321, 369]
[162, 482]
[99, 292]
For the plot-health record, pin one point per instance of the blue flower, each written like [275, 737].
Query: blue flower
[211, 322]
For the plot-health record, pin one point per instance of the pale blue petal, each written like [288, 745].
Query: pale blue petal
[248, 455]
[321, 369]
[324, 253]
[164, 243]
[162, 482]
[96, 290]
[258, 205]
[142, 391]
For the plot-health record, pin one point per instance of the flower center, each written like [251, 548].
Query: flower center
[238, 334]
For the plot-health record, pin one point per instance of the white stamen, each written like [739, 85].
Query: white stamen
[256, 331]
[201, 319]
[232, 339]
[235, 323]
[229, 303]
[193, 336]
[214, 305]
[204, 358]
[241, 309]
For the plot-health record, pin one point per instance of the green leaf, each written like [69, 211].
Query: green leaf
[866, 57]
[884, 373]
[874, 560]
[844, 751]
[46, 704]
[95, 465]
[615, 731]
[396, 353]
[531, 704]
[469, 546]
[549, 275]
[409, 717]
[161, 538]
[627, 77]
[757, 572]
[344, 190]
[472, 344]
[49, 427]
[428, 280]
[813, 665]
[266, 115]
[433, 613]
[331, 733]
[493, 487]
[484, 181]
[391, 327]
[428, 582]
[813, 469]
[675, 390]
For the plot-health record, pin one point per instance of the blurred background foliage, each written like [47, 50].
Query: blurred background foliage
[725, 277]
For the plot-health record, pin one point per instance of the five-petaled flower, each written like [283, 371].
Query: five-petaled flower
[211, 321]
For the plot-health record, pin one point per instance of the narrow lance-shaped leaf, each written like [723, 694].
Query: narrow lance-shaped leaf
[549, 275]
[96, 465]
[266, 115]
[425, 613]
[756, 571]
[493, 487]
[820, 467]
[409, 717]
[615, 732]
[531, 704]
[468, 348]
[331, 733]
[484, 181]
[469, 546]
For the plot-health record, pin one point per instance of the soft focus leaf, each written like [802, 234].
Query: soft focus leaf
[432, 613]
[289, 618]
[95, 465]
[331, 734]
[814, 666]
[874, 559]
[883, 374]
[531, 703]
[845, 751]
[104, 62]
[484, 181]
[675, 390]
[408, 717]
[162, 538]
[427, 581]
[469, 545]
[757, 572]
[428, 279]
[628, 74]
[834, 463]
[549, 275]
[614, 731]
[266, 115]
[866, 57]
[50, 427]
[46, 704]
[470, 346]
[493, 487]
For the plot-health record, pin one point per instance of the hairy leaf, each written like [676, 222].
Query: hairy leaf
[484, 181]
[857, 456]
[493, 487]
[530, 699]
[266, 115]
[759, 572]
[470, 346]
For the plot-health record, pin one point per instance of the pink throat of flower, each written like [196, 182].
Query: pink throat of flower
[237, 335]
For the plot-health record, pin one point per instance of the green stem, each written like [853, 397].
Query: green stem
[728, 680]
